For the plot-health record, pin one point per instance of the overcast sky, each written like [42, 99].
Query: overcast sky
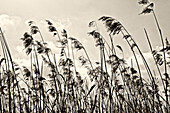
[74, 16]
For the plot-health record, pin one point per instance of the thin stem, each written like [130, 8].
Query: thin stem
[164, 55]
[113, 49]
[88, 58]
[150, 46]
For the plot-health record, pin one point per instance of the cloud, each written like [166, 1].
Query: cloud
[6, 21]
[62, 23]
[22, 62]
[20, 49]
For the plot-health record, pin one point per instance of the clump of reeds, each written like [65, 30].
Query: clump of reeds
[54, 83]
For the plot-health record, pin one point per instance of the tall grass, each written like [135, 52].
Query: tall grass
[55, 83]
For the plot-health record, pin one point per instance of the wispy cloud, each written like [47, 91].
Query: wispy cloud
[7, 20]
[62, 23]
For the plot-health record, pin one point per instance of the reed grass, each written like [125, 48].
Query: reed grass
[55, 83]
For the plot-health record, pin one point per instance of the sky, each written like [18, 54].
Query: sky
[74, 16]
